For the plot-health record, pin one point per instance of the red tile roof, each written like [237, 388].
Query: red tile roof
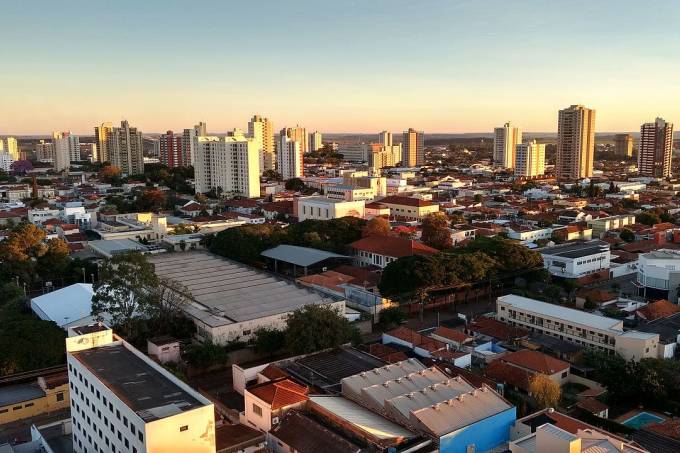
[535, 361]
[496, 329]
[503, 373]
[451, 334]
[656, 310]
[592, 405]
[670, 428]
[392, 246]
[417, 339]
[280, 393]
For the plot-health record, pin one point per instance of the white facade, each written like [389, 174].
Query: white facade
[660, 270]
[385, 138]
[262, 131]
[530, 235]
[315, 141]
[321, 208]
[530, 159]
[505, 140]
[6, 161]
[577, 260]
[289, 158]
[229, 163]
[125, 148]
[66, 149]
[111, 413]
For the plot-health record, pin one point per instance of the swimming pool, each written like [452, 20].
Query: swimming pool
[641, 419]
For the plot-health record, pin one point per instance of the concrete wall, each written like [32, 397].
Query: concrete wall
[192, 431]
[485, 435]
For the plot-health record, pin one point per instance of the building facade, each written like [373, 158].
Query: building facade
[505, 141]
[315, 141]
[125, 148]
[289, 157]
[578, 259]
[261, 130]
[575, 143]
[530, 159]
[102, 136]
[322, 208]
[413, 148]
[298, 134]
[66, 148]
[656, 149]
[623, 145]
[230, 164]
[385, 138]
[10, 145]
[172, 151]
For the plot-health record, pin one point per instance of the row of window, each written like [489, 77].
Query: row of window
[16, 408]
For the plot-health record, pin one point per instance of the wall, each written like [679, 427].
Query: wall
[38, 406]
[167, 435]
[485, 435]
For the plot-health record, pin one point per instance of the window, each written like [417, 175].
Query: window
[183, 428]
[16, 408]
[60, 396]
[31, 404]
[141, 436]
[257, 410]
[127, 443]
[564, 374]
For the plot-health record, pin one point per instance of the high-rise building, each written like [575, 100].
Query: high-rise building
[529, 159]
[125, 147]
[88, 151]
[289, 157]
[229, 164]
[262, 131]
[505, 141]
[413, 148]
[10, 146]
[101, 138]
[6, 161]
[575, 143]
[623, 145]
[656, 149]
[385, 138]
[44, 151]
[315, 141]
[299, 134]
[66, 149]
[123, 401]
[201, 129]
[171, 150]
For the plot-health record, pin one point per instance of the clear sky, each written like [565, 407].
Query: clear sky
[336, 66]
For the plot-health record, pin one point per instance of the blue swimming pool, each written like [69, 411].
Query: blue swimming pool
[641, 419]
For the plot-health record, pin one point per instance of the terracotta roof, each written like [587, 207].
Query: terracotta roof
[361, 276]
[405, 201]
[496, 329]
[659, 309]
[375, 205]
[503, 373]
[598, 296]
[535, 361]
[392, 246]
[451, 334]
[670, 428]
[272, 372]
[280, 393]
[386, 353]
[592, 405]
[417, 339]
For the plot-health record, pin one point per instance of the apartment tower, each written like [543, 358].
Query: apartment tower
[505, 141]
[101, 138]
[623, 145]
[413, 148]
[529, 159]
[289, 157]
[125, 148]
[656, 149]
[66, 149]
[298, 134]
[315, 141]
[575, 143]
[385, 138]
[261, 130]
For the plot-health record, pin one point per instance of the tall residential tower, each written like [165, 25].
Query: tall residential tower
[261, 130]
[656, 149]
[505, 140]
[125, 148]
[413, 148]
[575, 143]
[529, 159]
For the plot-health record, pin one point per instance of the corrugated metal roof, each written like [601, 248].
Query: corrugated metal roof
[300, 256]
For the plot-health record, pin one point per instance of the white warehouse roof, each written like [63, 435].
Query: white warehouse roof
[65, 306]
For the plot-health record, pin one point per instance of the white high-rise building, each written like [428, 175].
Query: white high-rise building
[10, 146]
[201, 129]
[262, 131]
[315, 141]
[385, 138]
[289, 158]
[505, 142]
[530, 159]
[44, 151]
[228, 164]
[123, 401]
[6, 161]
[299, 134]
[125, 147]
[66, 149]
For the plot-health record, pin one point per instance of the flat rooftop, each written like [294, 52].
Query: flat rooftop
[563, 313]
[18, 393]
[143, 388]
[226, 292]
[577, 250]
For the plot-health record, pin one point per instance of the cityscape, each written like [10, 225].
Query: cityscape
[345, 226]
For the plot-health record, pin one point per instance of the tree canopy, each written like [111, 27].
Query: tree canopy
[544, 390]
[315, 327]
[377, 226]
[436, 232]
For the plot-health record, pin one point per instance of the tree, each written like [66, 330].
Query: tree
[127, 287]
[647, 218]
[627, 235]
[26, 254]
[110, 174]
[544, 390]
[204, 355]
[405, 276]
[151, 200]
[436, 232]
[391, 317]
[295, 184]
[377, 226]
[169, 298]
[269, 341]
[316, 327]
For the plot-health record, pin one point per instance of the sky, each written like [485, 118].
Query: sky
[336, 66]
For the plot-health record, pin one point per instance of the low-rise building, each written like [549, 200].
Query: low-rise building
[267, 402]
[658, 275]
[381, 250]
[576, 260]
[26, 395]
[603, 224]
[408, 208]
[322, 208]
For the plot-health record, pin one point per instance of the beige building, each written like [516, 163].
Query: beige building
[656, 149]
[262, 131]
[323, 208]
[298, 134]
[44, 151]
[575, 143]
[231, 164]
[101, 138]
[125, 148]
[22, 397]
[9, 145]
[529, 159]
[385, 138]
[315, 141]
[505, 141]
[623, 145]
[408, 208]
[413, 148]
[603, 224]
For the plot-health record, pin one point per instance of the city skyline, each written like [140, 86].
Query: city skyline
[462, 76]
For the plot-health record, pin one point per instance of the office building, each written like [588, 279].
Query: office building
[656, 149]
[289, 157]
[123, 401]
[413, 148]
[577, 327]
[356, 152]
[529, 159]
[385, 138]
[44, 151]
[623, 145]
[125, 148]
[505, 141]
[66, 149]
[262, 131]
[229, 164]
[102, 135]
[172, 152]
[315, 141]
[298, 134]
[575, 143]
